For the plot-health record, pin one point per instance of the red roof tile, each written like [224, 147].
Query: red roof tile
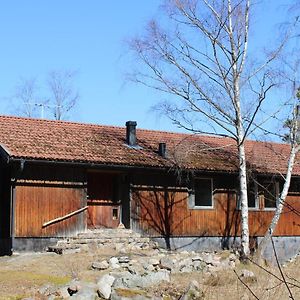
[74, 142]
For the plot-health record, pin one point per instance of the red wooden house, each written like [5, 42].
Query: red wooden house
[60, 178]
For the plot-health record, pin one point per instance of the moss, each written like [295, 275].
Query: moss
[19, 276]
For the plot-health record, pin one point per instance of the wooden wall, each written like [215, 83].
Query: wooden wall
[36, 205]
[161, 211]
[42, 194]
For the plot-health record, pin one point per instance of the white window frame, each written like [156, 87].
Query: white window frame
[191, 198]
[256, 195]
[276, 196]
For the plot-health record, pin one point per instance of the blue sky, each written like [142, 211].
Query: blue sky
[90, 37]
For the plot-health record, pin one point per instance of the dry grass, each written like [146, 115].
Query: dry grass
[23, 275]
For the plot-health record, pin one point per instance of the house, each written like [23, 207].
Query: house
[60, 178]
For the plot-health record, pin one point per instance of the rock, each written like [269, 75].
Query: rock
[232, 257]
[198, 265]
[86, 293]
[123, 259]
[248, 276]
[133, 281]
[186, 269]
[63, 292]
[104, 286]
[154, 262]
[166, 263]
[114, 263]
[74, 287]
[193, 292]
[103, 265]
[197, 258]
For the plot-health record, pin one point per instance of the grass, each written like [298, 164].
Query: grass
[35, 278]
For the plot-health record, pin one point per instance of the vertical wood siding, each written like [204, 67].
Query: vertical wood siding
[166, 212]
[101, 203]
[36, 205]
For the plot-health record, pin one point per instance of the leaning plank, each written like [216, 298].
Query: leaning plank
[65, 216]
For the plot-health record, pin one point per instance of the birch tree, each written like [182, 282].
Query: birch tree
[201, 62]
[294, 149]
[62, 94]
[26, 97]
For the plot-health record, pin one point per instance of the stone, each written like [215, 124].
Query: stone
[186, 269]
[86, 293]
[63, 292]
[133, 281]
[197, 258]
[166, 263]
[198, 265]
[154, 261]
[102, 265]
[232, 257]
[246, 273]
[123, 259]
[74, 287]
[114, 263]
[104, 285]
[193, 292]
[248, 276]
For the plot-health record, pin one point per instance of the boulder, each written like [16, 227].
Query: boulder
[114, 263]
[102, 265]
[104, 285]
[166, 263]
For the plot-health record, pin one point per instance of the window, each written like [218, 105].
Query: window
[253, 197]
[201, 196]
[270, 192]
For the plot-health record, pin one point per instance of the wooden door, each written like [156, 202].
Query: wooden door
[103, 205]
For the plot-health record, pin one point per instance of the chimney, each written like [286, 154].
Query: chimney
[162, 148]
[131, 133]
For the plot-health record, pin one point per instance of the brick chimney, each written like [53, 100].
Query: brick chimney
[162, 149]
[131, 133]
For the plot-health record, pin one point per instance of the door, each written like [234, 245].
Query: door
[103, 201]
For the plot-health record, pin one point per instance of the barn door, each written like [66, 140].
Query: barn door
[103, 203]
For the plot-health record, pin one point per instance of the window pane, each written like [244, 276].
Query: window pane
[203, 192]
[252, 195]
[270, 195]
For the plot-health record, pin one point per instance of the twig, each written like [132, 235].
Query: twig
[245, 285]
[267, 271]
[282, 275]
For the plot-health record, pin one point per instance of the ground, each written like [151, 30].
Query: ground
[23, 275]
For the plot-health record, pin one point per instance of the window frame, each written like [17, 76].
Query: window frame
[192, 195]
[277, 188]
[256, 197]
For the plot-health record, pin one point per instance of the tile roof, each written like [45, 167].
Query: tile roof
[106, 145]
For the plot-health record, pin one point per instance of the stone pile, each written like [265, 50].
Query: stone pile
[123, 277]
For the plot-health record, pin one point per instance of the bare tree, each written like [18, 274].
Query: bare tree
[26, 96]
[63, 95]
[202, 59]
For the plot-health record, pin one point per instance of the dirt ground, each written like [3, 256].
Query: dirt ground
[22, 275]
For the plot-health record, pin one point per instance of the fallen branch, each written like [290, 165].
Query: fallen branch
[65, 216]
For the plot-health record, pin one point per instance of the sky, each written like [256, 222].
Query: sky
[38, 36]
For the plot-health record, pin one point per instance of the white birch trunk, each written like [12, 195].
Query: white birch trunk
[266, 239]
[245, 251]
